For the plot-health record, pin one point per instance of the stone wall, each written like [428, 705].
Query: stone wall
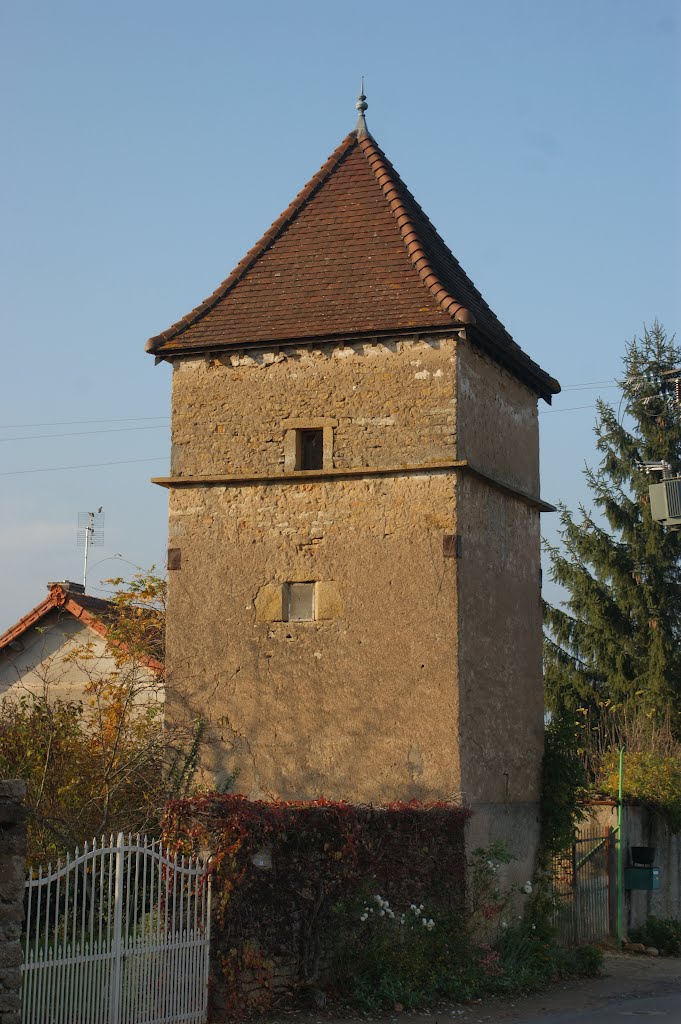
[12, 883]
[360, 706]
[642, 827]
[425, 678]
[499, 623]
[390, 402]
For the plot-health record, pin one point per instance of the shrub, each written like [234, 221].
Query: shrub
[562, 782]
[273, 921]
[663, 933]
[411, 955]
[366, 904]
[652, 778]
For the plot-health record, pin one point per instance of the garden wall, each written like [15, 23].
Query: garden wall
[643, 827]
[290, 877]
[12, 882]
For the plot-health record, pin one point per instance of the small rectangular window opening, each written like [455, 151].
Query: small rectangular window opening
[299, 602]
[311, 449]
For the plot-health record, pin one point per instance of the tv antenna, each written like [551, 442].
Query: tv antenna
[90, 534]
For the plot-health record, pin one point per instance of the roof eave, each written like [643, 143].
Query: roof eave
[525, 369]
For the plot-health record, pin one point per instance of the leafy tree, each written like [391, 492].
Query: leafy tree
[615, 639]
[563, 780]
[107, 762]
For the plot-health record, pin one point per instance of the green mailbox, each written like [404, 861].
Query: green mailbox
[645, 877]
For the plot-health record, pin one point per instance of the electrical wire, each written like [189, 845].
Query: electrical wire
[73, 423]
[83, 433]
[86, 465]
[570, 408]
[587, 385]
[590, 384]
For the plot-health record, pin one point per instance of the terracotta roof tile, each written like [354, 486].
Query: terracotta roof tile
[354, 254]
[93, 611]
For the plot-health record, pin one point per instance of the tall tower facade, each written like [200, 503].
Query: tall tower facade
[354, 547]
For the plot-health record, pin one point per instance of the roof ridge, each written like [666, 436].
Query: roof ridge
[382, 169]
[401, 184]
[60, 599]
[57, 597]
[261, 246]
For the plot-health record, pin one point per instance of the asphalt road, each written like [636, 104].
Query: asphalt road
[663, 1008]
[631, 988]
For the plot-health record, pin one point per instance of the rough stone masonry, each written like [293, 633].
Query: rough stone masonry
[12, 887]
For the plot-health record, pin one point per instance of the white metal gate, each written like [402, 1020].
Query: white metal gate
[117, 934]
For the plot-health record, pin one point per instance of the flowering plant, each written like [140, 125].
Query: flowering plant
[383, 909]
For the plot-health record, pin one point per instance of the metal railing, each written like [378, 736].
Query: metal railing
[117, 934]
[582, 887]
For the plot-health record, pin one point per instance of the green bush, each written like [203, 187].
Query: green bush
[413, 955]
[662, 932]
[563, 780]
[419, 955]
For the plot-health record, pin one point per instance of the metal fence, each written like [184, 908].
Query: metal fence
[117, 934]
[582, 878]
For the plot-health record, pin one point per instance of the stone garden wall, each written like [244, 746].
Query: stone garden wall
[12, 881]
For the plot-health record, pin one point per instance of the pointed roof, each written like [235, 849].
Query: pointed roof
[353, 255]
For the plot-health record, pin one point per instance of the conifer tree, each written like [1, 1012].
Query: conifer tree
[616, 636]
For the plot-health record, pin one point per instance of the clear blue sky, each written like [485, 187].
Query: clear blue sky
[148, 145]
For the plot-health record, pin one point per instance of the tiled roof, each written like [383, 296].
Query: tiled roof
[92, 611]
[354, 254]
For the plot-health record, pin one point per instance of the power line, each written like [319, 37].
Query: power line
[137, 419]
[86, 465]
[570, 408]
[591, 387]
[74, 423]
[83, 433]
[590, 384]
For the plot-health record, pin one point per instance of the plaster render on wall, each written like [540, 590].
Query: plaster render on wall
[413, 679]
[497, 421]
[48, 660]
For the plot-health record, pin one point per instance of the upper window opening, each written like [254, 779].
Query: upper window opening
[311, 449]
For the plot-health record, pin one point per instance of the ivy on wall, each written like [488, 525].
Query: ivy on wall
[280, 869]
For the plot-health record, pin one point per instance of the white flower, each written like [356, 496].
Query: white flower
[364, 917]
[527, 888]
[378, 899]
[381, 913]
[504, 924]
[401, 918]
[534, 927]
[389, 912]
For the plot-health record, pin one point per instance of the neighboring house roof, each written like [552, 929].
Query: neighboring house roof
[91, 611]
[353, 255]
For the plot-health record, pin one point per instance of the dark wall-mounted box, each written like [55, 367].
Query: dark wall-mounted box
[642, 878]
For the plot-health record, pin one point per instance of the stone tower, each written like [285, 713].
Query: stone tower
[354, 546]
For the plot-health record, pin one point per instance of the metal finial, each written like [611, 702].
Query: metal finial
[361, 106]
